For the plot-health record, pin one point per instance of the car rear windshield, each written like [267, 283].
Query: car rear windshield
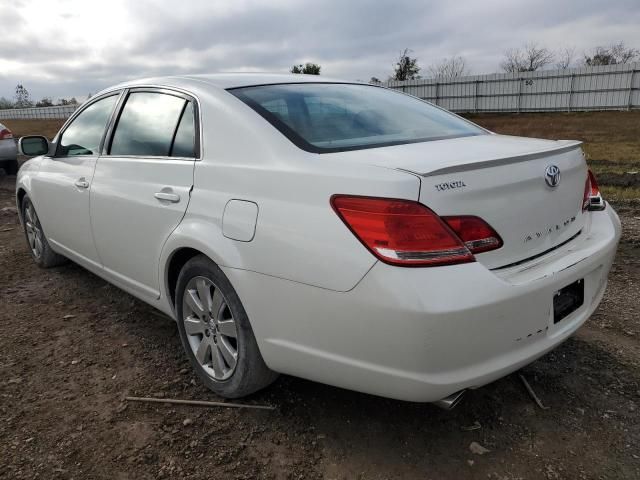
[331, 117]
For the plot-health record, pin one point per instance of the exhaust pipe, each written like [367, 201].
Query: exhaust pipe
[449, 403]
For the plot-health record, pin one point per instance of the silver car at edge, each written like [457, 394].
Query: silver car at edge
[8, 151]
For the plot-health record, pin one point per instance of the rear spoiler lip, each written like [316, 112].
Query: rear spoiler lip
[566, 146]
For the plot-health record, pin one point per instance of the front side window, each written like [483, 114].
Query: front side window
[148, 124]
[84, 134]
[329, 117]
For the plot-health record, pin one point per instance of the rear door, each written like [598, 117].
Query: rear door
[62, 187]
[142, 184]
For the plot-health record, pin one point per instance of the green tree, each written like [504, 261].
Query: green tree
[69, 101]
[45, 102]
[307, 68]
[406, 67]
[23, 100]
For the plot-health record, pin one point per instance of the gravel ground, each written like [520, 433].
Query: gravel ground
[72, 347]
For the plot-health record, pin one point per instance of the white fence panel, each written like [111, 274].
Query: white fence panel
[609, 87]
[38, 113]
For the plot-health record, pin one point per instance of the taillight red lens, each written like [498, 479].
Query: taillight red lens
[476, 234]
[401, 232]
[592, 199]
[5, 134]
[595, 190]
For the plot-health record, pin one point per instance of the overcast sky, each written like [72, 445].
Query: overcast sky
[74, 47]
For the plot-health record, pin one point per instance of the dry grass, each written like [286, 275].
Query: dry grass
[610, 136]
[48, 128]
[617, 194]
[611, 142]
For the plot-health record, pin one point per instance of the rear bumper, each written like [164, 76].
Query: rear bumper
[421, 334]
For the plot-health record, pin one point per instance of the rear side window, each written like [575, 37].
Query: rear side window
[149, 123]
[330, 117]
[185, 141]
[84, 134]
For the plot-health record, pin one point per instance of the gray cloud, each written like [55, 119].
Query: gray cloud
[350, 39]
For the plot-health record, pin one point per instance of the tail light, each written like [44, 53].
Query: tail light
[476, 234]
[5, 134]
[406, 233]
[592, 199]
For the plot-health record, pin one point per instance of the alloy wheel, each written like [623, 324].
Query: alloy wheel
[34, 231]
[210, 327]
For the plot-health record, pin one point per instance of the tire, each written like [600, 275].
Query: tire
[39, 247]
[11, 167]
[209, 314]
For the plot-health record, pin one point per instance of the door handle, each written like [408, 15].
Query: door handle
[167, 197]
[81, 183]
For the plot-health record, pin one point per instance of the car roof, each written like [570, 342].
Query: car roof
[232, 80]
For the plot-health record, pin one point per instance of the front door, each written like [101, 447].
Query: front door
[142, 185]
[61, 189]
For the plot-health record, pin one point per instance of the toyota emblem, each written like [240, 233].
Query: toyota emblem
[552, 176]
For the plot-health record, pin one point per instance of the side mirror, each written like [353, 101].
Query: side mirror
[33, 145]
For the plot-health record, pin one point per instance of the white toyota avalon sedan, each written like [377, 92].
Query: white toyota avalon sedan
[340, 232]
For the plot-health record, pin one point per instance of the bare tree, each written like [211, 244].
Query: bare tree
[529, 58]
[564, 57]
[449, 68]
[406, 67]
[611, 55]
[623, 54]
[5, 103]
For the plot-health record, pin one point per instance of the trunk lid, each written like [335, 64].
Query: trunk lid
[500, 179]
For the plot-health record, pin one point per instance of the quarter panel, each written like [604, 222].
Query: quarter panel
[298, 236]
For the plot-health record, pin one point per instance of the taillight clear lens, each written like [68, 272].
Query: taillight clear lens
[5, 134]
[477, 235]
[401, 232]
[592, 199]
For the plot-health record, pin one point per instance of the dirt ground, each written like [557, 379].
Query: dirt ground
[72, 346]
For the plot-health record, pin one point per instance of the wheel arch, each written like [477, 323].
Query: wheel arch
[193, 237]
[175, 262]
[20, 194]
